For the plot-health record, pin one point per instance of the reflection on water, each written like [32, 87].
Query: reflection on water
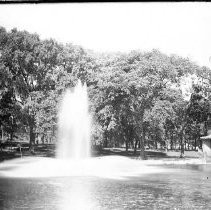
[182, 188]
[77, 195]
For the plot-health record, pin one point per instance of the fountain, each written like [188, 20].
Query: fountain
[73, 148]
[74, 124]
[72, 180]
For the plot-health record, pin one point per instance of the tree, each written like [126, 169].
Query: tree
[135, 97]
[27, 61]
[131, 84]
[198, 110]
[9, 110]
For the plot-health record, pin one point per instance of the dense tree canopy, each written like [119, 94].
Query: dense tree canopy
[136, 99]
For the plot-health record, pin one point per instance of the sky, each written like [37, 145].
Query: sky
[173, 28]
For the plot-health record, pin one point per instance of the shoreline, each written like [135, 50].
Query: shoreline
[49, 150]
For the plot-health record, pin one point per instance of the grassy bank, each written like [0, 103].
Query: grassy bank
[151, 154]
[45, 150]
[48, 150]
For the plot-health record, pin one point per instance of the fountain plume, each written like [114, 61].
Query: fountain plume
[74, 124]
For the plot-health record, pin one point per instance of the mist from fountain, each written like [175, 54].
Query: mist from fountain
[74, 124]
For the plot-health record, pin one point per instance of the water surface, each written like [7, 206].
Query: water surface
[182, 187]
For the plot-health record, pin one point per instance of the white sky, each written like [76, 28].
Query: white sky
[180, 28]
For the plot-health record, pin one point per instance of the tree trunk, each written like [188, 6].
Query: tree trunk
[31, 124]
[2, 133]
[148, 142]
[156, 144]
[182, 154]
[43, 139]
[126, 144]
[105, 143]
[185, 145]
[127, 138]
[32, 138]
[166, 144]
[135, 146]
[171, 140]
[11, 135]
[142, 142]
[132, 144]
[195, 142]
[142, 150]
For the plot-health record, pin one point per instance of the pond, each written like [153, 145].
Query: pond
[174, 187]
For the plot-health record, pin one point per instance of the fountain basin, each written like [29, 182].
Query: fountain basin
[130, 185]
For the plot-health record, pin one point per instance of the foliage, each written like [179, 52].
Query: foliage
[135, 98]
